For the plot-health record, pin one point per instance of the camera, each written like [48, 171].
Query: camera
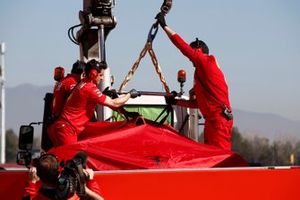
[72, 178]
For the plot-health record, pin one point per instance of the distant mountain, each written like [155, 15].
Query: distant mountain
[271, 126]
[24, 104]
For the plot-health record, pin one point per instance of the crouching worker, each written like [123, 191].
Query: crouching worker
[81, 104]
[46, 182]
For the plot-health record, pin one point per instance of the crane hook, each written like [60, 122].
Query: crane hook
[166, 6]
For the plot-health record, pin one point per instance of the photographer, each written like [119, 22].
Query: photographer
[43, 182]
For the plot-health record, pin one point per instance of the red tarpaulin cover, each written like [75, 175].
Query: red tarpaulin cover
[144, 145]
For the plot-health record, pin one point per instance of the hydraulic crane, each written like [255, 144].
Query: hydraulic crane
[96, 22]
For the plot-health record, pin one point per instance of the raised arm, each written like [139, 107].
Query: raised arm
[182, 45]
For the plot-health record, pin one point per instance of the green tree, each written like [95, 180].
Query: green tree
[297, 153]
[11, 146]
[259, 151]
[281, 152]
[241, 145]
[262, 150]
[284, 154]
[236, 139]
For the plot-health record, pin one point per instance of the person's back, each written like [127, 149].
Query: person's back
[63, 88]
[210, 86]
[61, 92]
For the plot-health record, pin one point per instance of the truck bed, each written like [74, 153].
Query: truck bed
[273, 183]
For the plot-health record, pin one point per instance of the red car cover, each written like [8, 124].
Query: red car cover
[144, 145]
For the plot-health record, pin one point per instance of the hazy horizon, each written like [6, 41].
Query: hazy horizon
[256, 43]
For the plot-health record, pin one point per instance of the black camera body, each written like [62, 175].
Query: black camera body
[72, 178]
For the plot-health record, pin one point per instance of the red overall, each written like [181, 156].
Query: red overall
[61, 92]
[78, 110]
[217, 129]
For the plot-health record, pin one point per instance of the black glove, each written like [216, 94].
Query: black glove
[111, 93]
[134, 93]
[161, 19]
[170, 98]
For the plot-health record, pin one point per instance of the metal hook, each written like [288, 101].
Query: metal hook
[166, 6]
[152, 33]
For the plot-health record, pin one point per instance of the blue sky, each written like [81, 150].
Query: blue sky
[257, 45]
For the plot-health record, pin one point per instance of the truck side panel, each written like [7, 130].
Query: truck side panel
[178, 184]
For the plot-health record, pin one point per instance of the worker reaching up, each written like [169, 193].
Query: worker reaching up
[210, 88]
[81, 104]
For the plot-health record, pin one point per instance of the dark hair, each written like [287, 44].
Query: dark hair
[78, 67]
[94, 64]
[199, 44]
[47, 168]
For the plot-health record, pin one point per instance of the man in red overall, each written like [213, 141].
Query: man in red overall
[81, 104]
[64, 87]
[210, 88]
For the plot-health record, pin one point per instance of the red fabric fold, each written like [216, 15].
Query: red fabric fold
[124, 145]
